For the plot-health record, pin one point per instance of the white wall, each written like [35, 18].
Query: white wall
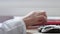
[22, 7]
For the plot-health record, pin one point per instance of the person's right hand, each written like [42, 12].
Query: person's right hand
[36, 17]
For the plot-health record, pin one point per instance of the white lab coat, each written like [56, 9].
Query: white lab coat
[13, 26]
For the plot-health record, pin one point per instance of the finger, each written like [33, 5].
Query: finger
[42, 18]
[42, 12]
[30, 14]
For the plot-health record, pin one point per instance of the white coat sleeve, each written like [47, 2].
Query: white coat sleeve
[14, 26]
[1, 29]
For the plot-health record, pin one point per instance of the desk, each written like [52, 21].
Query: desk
[33, 31]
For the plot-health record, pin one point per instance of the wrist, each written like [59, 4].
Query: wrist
[26, 22]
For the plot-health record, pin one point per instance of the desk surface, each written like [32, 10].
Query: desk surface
[33, 31]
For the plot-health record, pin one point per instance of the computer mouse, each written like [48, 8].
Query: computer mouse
[49, 29]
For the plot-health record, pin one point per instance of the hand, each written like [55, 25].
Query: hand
[35, 17]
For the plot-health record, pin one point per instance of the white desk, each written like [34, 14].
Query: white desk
[33, 31]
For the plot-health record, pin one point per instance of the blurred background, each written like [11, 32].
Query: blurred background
[22, 7]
